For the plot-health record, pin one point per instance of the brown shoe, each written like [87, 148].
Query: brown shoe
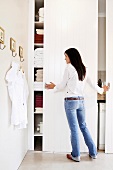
[69, 156]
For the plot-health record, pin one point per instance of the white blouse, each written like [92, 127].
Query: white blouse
[75, 87]
[18, 93]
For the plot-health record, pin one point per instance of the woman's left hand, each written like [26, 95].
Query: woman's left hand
[106, 88]
[50, 86]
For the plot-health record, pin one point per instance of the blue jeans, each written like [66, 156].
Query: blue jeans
[75, 112]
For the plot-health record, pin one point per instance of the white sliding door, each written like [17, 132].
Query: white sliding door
[70, 23]
[109, 77]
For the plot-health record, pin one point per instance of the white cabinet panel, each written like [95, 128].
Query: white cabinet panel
[72, 23]
[102, 111]
[109, 77]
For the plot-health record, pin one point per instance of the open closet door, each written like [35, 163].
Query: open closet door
[109, 77]
[68, 23]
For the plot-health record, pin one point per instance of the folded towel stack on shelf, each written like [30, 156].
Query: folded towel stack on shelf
[40, 31]
[38, 101]
[39, 75]
[38, 110]
[41, 14]
[39, 36]
[38, 57]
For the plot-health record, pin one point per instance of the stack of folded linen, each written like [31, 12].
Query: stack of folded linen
[39, 36]
[38, 110]
[39, 75]
[38, 57]
[39, 101]
[40, 31]
[41, 14]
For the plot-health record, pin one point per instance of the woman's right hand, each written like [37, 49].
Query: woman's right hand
[50, 86]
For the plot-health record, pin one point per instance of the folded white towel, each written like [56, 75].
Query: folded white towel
[40, 31]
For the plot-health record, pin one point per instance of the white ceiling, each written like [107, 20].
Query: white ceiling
[102, 6]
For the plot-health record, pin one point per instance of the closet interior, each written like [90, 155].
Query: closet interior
[101, 99]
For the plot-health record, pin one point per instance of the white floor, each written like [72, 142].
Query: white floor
[54, 161]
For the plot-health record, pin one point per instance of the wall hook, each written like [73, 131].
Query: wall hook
[2, 38]
[13, 47]
[2, 46]
[21, 54]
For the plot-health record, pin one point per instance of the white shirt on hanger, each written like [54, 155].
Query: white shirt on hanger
[18, 92]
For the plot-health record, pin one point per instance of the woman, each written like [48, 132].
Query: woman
[73, 80]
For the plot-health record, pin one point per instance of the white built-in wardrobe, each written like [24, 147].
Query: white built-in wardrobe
[70, 23]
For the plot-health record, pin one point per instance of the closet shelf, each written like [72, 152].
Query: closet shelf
[38, 134]
[38, 86]
[39, 44]
[38, 110]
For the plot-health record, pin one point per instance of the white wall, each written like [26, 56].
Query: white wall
[71, 23]
[31, 75]
[13, 143]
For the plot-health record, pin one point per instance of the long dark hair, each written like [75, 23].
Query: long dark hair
[76, 61]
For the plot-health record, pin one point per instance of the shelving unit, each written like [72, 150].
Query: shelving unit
[38, 77]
